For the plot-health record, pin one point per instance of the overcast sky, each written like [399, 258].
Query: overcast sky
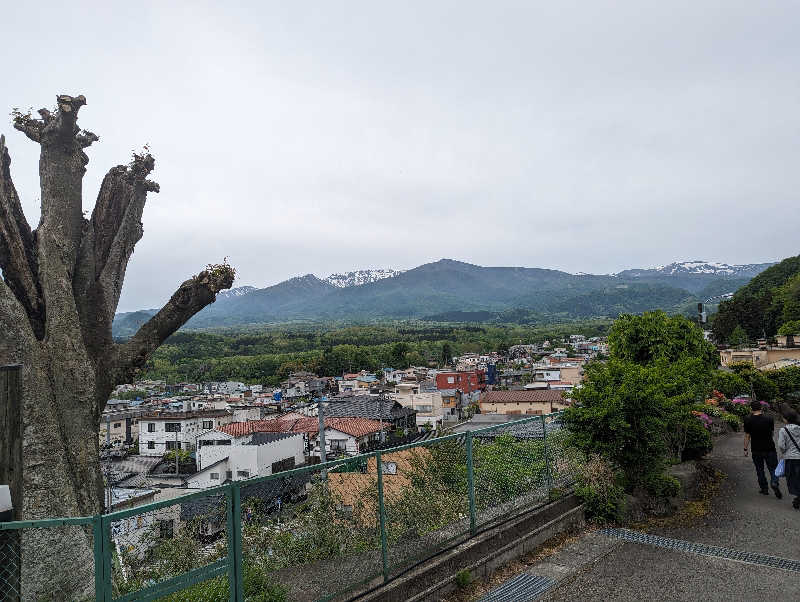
[297, 137]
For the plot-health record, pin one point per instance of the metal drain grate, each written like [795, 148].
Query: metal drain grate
[704, 550]
[519, 589]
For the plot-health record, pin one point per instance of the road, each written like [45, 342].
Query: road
[601, 567]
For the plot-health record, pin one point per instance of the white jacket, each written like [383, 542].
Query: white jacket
[785, 446]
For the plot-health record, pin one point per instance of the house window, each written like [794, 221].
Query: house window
[214, 476]
[242, 474]
[172, 427]
[117, 425]
[166, 530]
[208, 424]
[151, 427]
[173, 445]
[151, 445]
[389, 467]
[224, 442]
[451, 379]
[228, 474]
[285, 464]
[338, 444]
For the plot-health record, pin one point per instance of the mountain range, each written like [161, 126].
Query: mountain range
[449, 290]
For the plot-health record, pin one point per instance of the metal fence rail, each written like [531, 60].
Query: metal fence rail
[317, 532]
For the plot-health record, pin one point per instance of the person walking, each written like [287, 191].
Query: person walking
[758, 433]
[789, 446]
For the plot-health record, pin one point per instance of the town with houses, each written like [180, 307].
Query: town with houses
[163, 440]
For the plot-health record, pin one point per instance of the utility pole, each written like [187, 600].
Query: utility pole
[321, 438]
[177, 446]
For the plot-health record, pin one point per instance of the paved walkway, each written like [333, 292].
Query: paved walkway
[599, 567]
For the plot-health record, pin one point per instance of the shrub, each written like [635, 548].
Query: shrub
[463, 578]
[732, 420]
[698, 440]
[662, 485]
[739, 406]
[600, 491]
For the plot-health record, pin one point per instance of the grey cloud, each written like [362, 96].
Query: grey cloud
[321, 137]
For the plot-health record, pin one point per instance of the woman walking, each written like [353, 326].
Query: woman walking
[789, 448]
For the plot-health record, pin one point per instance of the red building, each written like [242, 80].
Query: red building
[466, 382]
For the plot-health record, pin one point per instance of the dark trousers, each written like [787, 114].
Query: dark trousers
[769, 458]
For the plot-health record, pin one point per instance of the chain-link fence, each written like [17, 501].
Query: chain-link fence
[48, 560]
[316, 532]
[177, 547]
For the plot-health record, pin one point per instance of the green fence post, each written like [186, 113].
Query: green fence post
[382, 518]
[237, 579]
[97, 545]
[471, 486]
[546, 458]
[230, 526]
[107, 593]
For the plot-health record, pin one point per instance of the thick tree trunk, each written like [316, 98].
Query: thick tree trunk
[58, 294]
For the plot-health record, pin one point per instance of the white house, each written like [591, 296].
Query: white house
[546, 374]
[222, 456]
[427, 404]
[349, 436]
[159, 433]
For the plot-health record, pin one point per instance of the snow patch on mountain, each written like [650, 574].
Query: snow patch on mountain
[698, 267]
[235, 292]
[359, 277]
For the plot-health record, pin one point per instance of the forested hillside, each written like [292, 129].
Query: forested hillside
[769, 302]
[267, 355]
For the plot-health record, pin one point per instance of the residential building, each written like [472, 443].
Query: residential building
[759, 356]
[543, 401]
[225, 454]
[466, 382]
[161, 432]
[427, 404]
[376, 408]
[348, 435]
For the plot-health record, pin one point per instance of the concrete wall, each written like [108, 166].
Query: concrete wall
[480, 555]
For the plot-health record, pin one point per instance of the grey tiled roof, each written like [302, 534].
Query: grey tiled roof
[368, 407]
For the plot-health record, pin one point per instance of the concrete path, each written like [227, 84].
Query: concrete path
[604, 568]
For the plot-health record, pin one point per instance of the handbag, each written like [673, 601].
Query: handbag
[780, 469]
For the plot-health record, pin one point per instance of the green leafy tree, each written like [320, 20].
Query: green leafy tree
[738, 336]
[790, 327]
[758, 383]
[620, 412]
[729, 383]
[655, 335]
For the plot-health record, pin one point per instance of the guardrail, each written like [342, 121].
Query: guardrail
[316, 532]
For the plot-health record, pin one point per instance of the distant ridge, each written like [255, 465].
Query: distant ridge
[459, 290]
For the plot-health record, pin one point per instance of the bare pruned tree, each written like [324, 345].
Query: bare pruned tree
[59, 291]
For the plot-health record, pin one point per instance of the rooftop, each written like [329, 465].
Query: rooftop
[526, 396]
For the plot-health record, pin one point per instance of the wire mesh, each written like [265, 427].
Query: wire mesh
[48, 564]
[564, 461]
[426, 500]
[157, 546]
[511, 467]
[305, 534]
[311, 533]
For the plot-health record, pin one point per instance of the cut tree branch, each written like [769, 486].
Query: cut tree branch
[192, 296]
[18, 248]
[117, 223]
